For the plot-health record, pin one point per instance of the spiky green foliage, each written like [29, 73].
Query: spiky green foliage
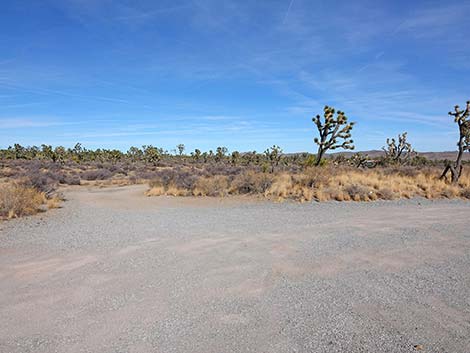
[220, 153]
[196, 155]
[181, 147]
[274, 156]
[78, 152]
[135, 154]
[61, 154]
[461, 117]
[358, 160]
[47, 152]
[334, 132]
[152, 154]
[399, 150]
[235, 158]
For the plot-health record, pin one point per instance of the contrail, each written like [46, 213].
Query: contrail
[287, 12]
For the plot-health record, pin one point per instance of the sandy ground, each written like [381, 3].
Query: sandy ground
[114, 271]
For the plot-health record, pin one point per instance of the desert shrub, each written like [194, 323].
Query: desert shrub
[465, 193]
[116, 169]
[7, 172]
[217, 185]
[164, 178]
[177, 178]
[145, 174]
[309, 161]
[313, 177]
[448, 193]
[18, 200]
[385, 194]
[282, 187]
[133, 179]
[222, 169]
[405, 171]
[251, 182]
[357, 192]
[41, 181]
[68, 179]
[420, 161]
[54, 202]
[97, 174]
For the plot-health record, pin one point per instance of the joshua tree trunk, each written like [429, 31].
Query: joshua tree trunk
[456, 168]
[461, 118]
[320, 154]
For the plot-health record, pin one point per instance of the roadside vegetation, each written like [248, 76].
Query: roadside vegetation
[31, 176]
[17, 199]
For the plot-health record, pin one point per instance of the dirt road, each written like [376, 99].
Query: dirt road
[114, 271]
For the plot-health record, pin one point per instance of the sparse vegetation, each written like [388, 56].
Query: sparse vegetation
[273, 175]
[320, 184]
[30, 176]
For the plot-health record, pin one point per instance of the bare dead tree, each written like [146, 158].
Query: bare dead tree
[461, 118]
[331, 130]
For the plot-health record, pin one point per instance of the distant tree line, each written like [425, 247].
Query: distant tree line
[334, 132]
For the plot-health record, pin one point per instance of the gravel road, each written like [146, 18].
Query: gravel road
[114, 271]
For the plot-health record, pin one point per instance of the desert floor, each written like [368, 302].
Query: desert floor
[115, 271]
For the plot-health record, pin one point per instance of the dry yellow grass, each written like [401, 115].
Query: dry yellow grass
[368, 185]
[217, 185]
[53, 202]
[324, 184]
[155, 191]
[17, 200]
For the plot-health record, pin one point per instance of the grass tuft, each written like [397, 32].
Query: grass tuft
[18, 200]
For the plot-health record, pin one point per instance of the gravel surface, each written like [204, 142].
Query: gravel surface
[114, 271]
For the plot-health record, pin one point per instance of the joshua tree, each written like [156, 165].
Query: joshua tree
[235, 158]
[461, 118]
[114, 155]
[78, 152]
[332, 130]
[151, 154]
[274, 155]
[61, 154]
[220, 153]
[180, 148]
[358, 160]
[20, 151]
[251, 158]
[135, 154]
[48, 153]
[196, 154]
[398, 151]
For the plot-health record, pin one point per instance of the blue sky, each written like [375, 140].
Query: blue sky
[242, 74]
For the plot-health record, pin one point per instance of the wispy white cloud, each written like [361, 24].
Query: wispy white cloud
[432, 22]
[287, 12]
[54, 92]
[37, 122]
[133, 15]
